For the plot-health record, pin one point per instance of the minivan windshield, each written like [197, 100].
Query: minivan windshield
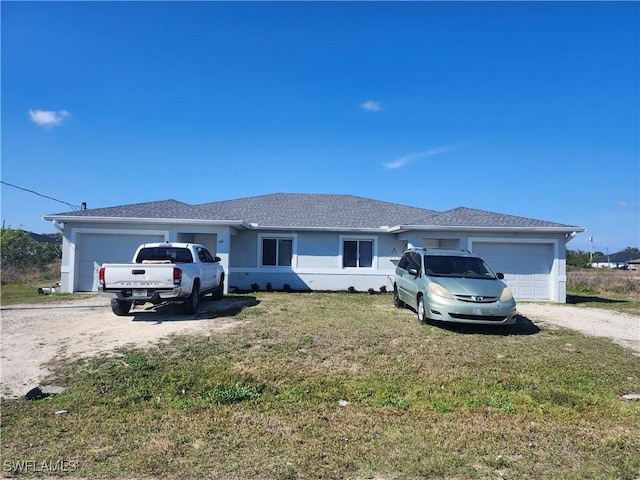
[459, 267]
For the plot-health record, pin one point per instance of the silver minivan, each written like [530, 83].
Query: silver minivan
[452, 286]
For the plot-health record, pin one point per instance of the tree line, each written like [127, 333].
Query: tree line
[21, 255]
[578, 258]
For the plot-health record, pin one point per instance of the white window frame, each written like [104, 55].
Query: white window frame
[294, 250]
[359, 238]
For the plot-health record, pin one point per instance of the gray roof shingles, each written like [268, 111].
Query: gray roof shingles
[165, 209]
[299, 210]
[469, 217]
[618, 257]
[315, 210]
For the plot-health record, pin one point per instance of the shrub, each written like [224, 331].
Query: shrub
[23, 259]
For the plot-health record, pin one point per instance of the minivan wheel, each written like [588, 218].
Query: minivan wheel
[422, 313]
[396, 298]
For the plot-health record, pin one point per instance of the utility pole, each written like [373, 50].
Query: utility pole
[590, 249]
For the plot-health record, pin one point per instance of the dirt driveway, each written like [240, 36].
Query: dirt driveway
[32, 335]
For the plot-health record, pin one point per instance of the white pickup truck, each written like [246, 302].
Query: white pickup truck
[163, 272]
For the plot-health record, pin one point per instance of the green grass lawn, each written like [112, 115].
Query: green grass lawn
[340, 386]
[28, 293]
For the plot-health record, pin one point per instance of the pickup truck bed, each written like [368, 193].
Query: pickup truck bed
[163, 272]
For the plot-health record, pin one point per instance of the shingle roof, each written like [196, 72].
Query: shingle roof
[172, 209]
[617, 257]
[469, 217]
[315, 210]
[301, 210]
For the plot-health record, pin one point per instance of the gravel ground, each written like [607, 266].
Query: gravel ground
[33, 335]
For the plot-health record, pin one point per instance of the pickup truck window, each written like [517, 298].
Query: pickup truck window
[174, 255]
[204, 255]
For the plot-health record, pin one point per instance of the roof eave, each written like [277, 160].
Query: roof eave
[441, 228]
[255, 226]
[175, 221]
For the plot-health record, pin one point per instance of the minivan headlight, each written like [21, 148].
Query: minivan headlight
[439, 290]
[506, 295]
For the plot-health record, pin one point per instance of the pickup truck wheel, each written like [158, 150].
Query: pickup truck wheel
[120, 307]
[218, 293]
[193, 300]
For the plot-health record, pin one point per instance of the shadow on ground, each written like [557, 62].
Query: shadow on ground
[576, 299]
[523, 326]
[209, 309]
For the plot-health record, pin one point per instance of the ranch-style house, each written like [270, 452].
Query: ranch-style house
[316, 241]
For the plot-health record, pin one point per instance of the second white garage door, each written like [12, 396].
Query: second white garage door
[526, 266]
[94, 249]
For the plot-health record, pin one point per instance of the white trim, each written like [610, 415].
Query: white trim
[137, 220]
[554, 275]
[374, 259]
[278, 236]
[462, 228]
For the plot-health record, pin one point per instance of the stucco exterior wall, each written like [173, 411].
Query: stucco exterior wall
[317, 262]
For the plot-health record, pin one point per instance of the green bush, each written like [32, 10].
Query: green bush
[23, 258]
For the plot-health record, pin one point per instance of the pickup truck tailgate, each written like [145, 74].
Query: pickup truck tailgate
[142, 275]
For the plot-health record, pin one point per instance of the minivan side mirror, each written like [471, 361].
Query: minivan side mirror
[413, 271]
[216, 259]
[500, 276]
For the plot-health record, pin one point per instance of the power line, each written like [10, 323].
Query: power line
[75, 207]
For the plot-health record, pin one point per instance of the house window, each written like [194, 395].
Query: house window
[277, 252]
[357, 253]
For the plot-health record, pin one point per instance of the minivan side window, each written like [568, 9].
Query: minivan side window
[415, 262]
[404, 262]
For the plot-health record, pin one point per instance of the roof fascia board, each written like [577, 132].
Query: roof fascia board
[272, 228]
[176, 221]
[439, 228]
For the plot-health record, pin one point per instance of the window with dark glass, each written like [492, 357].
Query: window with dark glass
[277, 252]
[357, 253]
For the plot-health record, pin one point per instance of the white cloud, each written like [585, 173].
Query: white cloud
[48, 118]
[371, 106]
[402, 161]
[624, 203]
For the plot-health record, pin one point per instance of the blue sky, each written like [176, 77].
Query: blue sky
[528, 109]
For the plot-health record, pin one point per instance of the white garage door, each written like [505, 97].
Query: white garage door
[94, 249]
[526, 266]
